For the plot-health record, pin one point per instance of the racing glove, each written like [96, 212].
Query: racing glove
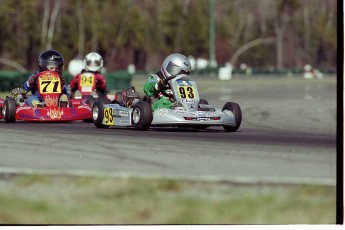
[161, 85]
[31, 81]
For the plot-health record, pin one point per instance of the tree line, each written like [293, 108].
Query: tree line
[268, 33]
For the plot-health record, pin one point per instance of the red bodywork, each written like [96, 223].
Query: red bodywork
[1, 108]
[50, 88]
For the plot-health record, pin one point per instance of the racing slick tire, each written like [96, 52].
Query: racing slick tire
[90, 100]
[142, 115]
[235, 108]
[10, 110]
[203, 101]
[98, 114]
[104, 100]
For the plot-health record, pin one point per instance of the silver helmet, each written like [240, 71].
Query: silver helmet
[175, 64]
[93, 62]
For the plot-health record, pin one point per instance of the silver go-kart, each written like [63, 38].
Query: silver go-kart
[188, 110]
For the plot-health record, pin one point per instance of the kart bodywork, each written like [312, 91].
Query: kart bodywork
[50, 89]
[188, 110]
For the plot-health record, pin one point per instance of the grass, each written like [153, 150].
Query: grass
[37, 199]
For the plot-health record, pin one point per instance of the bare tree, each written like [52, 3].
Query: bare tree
[249, 45]
[80, 29]
[52, 22]
[45, 22]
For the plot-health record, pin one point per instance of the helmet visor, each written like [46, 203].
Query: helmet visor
[51, 65]
[173, 69]
[93, 63]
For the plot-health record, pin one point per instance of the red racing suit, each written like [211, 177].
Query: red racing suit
[101, 85]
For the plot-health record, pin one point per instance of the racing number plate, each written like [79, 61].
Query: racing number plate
[51, 85]
[186, 92]
[87, 80]
[108, 116]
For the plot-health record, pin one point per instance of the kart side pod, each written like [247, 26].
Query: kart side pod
[105, 115]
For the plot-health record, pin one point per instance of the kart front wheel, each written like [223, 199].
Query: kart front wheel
[142, 115]
[10, 110]
[236, 110]
[98, 114]
[90, 101]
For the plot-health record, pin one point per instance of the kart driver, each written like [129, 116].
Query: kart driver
[155, 87]
[50, 60]
[93, 63]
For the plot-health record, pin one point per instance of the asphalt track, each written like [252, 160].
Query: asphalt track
[287, 135]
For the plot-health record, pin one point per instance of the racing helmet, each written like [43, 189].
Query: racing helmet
[51, 60]
[175, 64]
[93, 62]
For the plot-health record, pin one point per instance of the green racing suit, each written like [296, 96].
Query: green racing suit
[151, 89]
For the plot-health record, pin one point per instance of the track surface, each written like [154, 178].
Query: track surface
[288, 135]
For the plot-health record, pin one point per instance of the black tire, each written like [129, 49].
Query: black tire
[90, 100]
[203, 101]
[142, 115]
[98, 114]
[104, 100]
[148, 99]
[235, 108]
[10, 110]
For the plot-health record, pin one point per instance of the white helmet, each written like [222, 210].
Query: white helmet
[175, 64]
[93, 62]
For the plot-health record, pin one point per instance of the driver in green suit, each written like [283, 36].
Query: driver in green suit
[156, 87]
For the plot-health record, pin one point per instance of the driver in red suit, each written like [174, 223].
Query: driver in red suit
[93, 64]
[50, 60]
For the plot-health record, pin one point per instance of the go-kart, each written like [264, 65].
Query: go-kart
[87, 89]
[52, 109]
[188, 110]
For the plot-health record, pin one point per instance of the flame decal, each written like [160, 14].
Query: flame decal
[55, 113]
[51, 101]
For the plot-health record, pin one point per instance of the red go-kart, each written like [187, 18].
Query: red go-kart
[50, 89]
[86, 86]
[87, 89]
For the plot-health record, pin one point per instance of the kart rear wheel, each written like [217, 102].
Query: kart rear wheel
[98, 114]
[142, 115]
[10, 109]
[104, 100]
[235, 108]
[90, 100]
